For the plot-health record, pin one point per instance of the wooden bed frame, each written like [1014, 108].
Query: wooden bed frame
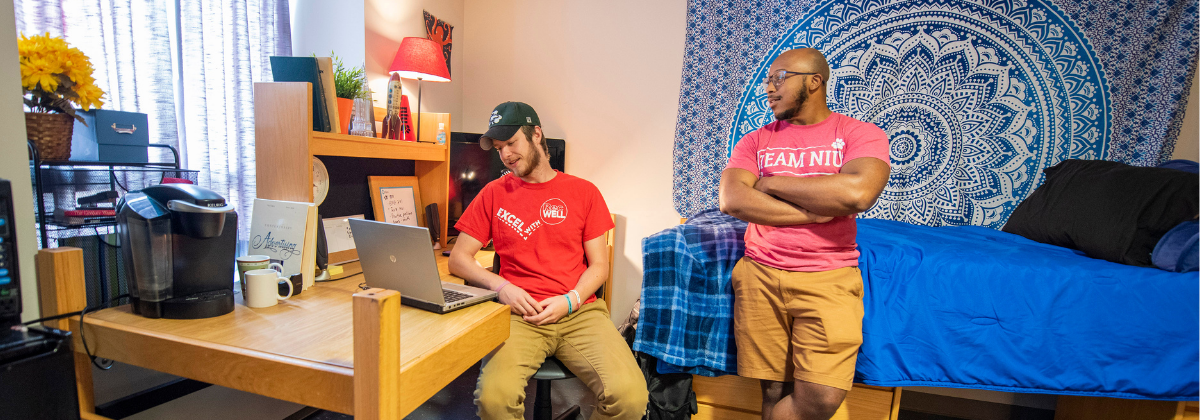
[736, 398]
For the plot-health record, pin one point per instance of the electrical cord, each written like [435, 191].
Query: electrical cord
[68, 314]
[51, 318]
[83, 337]
[86, 350]
[118, 182]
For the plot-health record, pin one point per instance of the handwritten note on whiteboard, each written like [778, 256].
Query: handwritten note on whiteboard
[338, 237]
[399, 205]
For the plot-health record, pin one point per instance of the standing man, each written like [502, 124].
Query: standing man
[799, 181]
[548, 230]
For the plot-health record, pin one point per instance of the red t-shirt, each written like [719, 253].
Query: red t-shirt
[785, 149]
[538, 230]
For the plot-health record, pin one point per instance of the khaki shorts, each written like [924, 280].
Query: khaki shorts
[797, 325]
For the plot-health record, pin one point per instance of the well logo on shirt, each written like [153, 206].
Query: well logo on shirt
[554, 211]
[781, 158]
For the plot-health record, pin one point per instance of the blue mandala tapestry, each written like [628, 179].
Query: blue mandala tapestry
[977, 96]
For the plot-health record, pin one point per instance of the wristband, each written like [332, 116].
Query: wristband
[569, 308]
[497, 290]
[577, 299]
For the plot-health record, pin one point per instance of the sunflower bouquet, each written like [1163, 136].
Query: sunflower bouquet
[56, 77]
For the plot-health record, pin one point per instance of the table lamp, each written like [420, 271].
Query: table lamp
[421, 59]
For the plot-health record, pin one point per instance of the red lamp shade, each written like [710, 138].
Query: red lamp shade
[420, 58]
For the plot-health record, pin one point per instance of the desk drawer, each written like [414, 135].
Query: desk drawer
[710, 412]
[729, 391]
[733, 396]
[1191, 410]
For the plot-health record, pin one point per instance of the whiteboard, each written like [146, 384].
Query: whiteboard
[399, 205]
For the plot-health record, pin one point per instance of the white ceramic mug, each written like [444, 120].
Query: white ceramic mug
[253, 262]
[262, 288]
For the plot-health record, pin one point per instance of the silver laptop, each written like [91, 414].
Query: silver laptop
[400, 258]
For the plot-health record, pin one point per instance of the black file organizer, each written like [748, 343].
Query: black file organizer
[57, 184]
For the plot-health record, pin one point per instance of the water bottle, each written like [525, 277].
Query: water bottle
[441, 134]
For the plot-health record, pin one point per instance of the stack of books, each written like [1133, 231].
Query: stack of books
[317, 71]
[96, 208]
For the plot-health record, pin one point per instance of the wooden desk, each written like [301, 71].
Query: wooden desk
[484, 258]
[304, 350]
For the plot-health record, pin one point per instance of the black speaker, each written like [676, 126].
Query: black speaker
[10, 278]
[433, 221]
[322, 245]
[37, 366]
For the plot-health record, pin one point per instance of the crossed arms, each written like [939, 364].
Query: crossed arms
[786, 200]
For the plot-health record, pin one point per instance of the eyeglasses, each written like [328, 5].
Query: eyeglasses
[778, 78]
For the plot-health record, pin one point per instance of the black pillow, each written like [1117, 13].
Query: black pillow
[1108, 210]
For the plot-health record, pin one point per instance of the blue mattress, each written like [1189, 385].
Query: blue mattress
[972, 307]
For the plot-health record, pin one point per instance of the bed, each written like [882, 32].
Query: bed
[973, 307]
[963, 307]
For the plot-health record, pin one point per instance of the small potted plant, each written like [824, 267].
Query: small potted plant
[349, 84]
[56, 79]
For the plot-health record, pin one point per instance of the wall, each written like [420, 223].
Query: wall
[604, 76]
[386, 23]
[14, 160]
[321, 26]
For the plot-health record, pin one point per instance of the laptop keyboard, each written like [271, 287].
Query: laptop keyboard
[452, 296]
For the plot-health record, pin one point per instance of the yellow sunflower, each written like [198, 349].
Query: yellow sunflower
[52, 70]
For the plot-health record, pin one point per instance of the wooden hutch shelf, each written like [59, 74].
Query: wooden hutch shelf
[285, 144]
[331, 144]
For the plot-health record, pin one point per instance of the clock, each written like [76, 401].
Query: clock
[320, 177]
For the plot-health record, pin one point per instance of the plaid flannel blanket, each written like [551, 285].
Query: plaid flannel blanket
[687, 301]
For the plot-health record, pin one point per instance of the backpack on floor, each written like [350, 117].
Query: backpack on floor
[671, 395]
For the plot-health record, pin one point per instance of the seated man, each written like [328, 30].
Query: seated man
[548, 229]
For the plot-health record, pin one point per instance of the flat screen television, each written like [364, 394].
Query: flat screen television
[471, 168]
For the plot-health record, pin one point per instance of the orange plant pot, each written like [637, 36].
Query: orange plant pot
[345, 107]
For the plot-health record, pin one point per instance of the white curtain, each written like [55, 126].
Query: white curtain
[189, 65]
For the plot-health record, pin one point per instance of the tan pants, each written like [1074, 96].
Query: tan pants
[797, 325]
[586, 342]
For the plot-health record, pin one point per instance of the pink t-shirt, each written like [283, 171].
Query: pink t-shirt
[784, 149]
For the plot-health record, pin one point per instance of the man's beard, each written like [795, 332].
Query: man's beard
[534, 160]
[791, 112]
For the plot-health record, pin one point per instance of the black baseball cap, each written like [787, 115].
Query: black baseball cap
[505, 120]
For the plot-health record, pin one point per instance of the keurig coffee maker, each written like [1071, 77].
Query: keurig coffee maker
[178, 244]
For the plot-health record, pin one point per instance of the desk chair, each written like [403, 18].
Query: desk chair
[553, 369]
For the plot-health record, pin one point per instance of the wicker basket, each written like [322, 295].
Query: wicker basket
[51, 133]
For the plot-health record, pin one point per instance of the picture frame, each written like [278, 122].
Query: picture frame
[397, 199]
